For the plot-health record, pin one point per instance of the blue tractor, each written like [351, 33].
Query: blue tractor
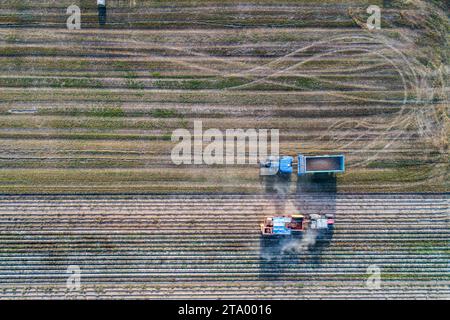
[274, 165]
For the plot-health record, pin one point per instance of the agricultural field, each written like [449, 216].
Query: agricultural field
[86, 124]
[191, 246]
[101, 104]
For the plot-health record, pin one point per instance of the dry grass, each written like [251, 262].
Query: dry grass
[378, 97]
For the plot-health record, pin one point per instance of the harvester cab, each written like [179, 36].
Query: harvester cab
[318, 222]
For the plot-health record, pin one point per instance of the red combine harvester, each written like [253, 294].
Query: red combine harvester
[295, 224]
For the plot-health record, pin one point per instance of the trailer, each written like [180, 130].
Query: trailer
[320, 164]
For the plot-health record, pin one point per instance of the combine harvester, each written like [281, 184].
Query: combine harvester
[296, 224]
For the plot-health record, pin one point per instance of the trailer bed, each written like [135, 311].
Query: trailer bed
[322, 164]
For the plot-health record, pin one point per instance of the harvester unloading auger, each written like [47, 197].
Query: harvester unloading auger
[298, 223]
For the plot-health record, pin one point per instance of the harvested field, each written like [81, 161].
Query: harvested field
[86, 124]
[93, 110]
[209, 246]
